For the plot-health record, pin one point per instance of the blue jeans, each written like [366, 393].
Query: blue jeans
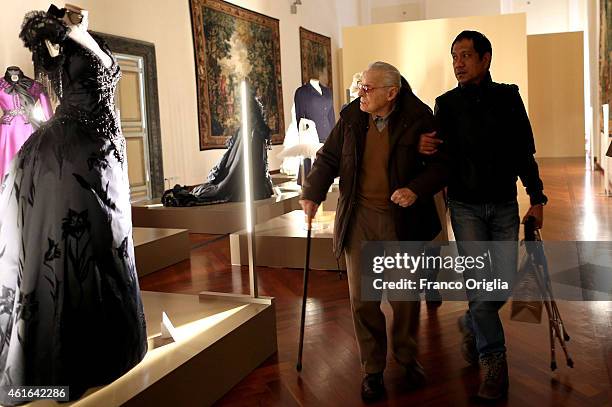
[491, 222]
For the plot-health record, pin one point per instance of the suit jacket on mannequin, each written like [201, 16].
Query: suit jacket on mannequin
[317, 107]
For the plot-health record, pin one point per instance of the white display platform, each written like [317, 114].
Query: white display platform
[279, 178]
[221, 338]
[213, 219]
[331, 201]
[156, 249]
[281, 242]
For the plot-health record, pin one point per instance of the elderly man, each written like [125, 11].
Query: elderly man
[386, 194]
[489, 141]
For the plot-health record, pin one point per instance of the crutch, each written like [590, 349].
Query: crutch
[304, 296]
[555, 322]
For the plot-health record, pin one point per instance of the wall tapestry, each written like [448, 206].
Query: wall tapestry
[605, 53]
[232, 44]
[315, 53]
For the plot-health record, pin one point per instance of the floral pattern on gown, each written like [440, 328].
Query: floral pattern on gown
[70, 306]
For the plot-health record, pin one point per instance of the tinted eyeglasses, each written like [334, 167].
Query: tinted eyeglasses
[367, 88]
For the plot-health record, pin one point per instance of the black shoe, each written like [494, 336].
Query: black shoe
[415, 375]
[372, 387]
[433, 298]
[493, 376]
[468, 345]
[433, 303]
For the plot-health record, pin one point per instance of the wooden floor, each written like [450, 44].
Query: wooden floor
[331, 374]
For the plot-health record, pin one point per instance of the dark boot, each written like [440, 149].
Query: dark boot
[493, 376]
[372, 387]
[433, 298]
[468, 345]
[415, 375]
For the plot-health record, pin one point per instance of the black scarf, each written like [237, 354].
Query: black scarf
[21, 87]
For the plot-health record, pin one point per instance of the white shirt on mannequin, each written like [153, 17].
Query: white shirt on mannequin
[315, 84]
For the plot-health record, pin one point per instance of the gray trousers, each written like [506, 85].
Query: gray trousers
[368, 318]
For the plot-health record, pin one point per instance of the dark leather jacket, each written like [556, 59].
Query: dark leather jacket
[342, 153]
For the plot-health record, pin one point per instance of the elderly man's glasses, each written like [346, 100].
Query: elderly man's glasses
[367, 88]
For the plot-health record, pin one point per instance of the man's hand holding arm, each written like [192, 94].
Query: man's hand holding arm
[435, 175]
[428, 143]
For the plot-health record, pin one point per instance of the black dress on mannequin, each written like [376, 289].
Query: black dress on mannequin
[315, 106]
[225, 182]
[70, 306]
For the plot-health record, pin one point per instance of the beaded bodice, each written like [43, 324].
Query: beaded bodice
[87, 93]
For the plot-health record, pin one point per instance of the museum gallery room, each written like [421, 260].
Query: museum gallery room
[306, 203]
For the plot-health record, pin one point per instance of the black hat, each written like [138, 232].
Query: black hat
[56, 12]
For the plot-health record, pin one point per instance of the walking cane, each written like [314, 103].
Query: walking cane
[304, 296]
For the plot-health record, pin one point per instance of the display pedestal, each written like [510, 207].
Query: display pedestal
[281, 242]
[220, 339]
[331, 201]
[279, 178]
[219, 219]
[156, 249]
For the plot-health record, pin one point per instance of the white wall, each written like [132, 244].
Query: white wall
[168, 26]
[463, 8]
[12, 51]
[397, 13]
[348, 13]
[543, 16]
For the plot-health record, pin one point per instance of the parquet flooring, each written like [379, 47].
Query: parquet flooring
[331, 374]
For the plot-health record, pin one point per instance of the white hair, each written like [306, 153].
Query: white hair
[391, 75]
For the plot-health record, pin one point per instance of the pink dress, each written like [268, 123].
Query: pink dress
[16, 122]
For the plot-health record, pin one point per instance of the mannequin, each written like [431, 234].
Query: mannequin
[314, 101]
[77, 19]
[72, 314]
[225, 180]
[23, 107]
[13, 74]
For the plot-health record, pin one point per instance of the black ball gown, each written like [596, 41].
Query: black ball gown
[225, 181]
[70, 306]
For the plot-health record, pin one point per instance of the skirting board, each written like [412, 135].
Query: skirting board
[281, 242]
[156, 249]
[213, 219]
